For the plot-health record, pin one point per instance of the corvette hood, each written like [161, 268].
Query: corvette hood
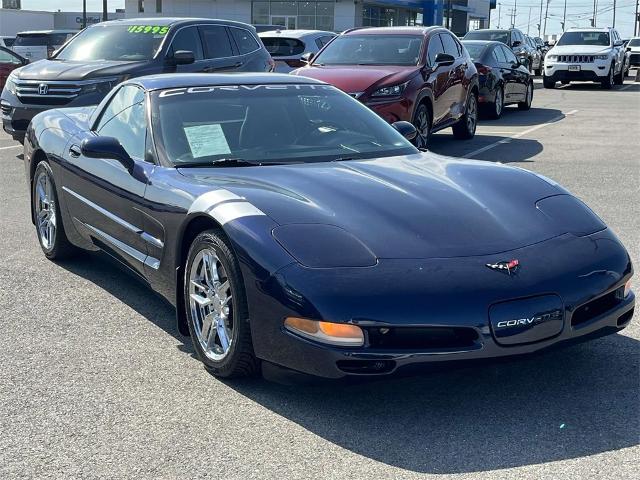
[353, 79]
[417, 206]
[68, 70]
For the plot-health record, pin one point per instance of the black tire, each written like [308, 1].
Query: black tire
[548, 82]
[607, 83]
[56, 245]
[619, 78]
[240, 360]
[423, 121]
[465, 128]
[538, 71]
[494, 109]
[528, 99]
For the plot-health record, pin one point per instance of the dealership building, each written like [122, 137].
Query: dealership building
[336, 15]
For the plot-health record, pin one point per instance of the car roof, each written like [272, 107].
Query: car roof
[45, 32]
[186, 80]
[392, 30]
[294, 33]
[481, 42]
[589, 29]
[166, 21]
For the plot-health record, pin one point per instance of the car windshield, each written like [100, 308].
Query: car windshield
[114, 42]
[584, 38]
[41, 39]
[494, 35]
[283, 47]
[634, 42]
[475, 49]
[261, 124]
[402, 50]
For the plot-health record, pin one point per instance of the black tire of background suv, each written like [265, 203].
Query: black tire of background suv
[608, 81]
[619, 78]
[548, 82]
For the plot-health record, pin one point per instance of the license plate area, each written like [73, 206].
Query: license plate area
[574, 68]
[528, 320]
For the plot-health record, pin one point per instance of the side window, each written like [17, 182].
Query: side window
[435, 47]
[510, 57]
[449, 44]
[129, 126]
[124, 98]
[216, 41]
[187, 39]
[245, 41]
[498, 56]
[6, 57]
[322, 41]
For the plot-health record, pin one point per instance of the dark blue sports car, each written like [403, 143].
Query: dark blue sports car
[290, 225]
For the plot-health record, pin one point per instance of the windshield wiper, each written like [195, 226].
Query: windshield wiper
[221, 162]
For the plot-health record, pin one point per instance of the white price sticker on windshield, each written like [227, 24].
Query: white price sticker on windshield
[207, 140]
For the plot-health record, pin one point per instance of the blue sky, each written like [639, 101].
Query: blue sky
[578, 12]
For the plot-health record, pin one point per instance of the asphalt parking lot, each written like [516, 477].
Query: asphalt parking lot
[97, 382]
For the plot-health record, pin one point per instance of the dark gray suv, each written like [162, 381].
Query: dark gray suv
[511, 37]
[87, 67]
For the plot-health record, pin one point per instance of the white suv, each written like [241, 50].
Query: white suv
[586, 55]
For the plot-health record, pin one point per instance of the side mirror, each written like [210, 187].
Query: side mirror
[107, 147]
[524, 62]
[517, 43]
[628, 49]
[444, 59]
[181, 57]
[406, 129]
[307, 57]
[618, 43]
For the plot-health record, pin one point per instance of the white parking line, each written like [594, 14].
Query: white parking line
[12, 146]
[627, 86]
[518, 135]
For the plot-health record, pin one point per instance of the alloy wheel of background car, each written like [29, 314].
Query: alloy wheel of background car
[46, 214]
[608, 82]
[495, 108]
[216, 307]
[465, 128]
[422, 121]
[528, 99]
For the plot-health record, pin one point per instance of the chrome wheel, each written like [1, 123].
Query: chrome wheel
[472, 114]
[210, 301]
[423, 125]
[499, 102]
[45, 211]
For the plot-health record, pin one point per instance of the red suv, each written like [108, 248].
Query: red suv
[421, 75]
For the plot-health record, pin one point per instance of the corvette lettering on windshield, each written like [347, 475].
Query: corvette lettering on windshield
[237, 88]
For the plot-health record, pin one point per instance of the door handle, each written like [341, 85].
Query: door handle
[75, 151]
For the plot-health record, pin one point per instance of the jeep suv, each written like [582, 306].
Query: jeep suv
[87, 67]
[586, 55]
[418, 74]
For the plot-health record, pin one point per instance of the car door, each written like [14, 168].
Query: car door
[8, 61]
[219, 52]
[188, 38]
[103, 197]
[455, 93]
[516, 78]
[438, 78]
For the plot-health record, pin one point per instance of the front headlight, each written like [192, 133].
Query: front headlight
[102, 86]
[552, 58]
[601, 57]
[10, 85]
[392, 91]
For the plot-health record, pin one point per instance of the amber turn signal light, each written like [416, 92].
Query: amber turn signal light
[343, 334]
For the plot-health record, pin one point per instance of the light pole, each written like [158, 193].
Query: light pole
[614, 13]
[540, 24]
[546, 15]
[84, 13]
[564, 17]
[636, 20]
[529, 24]
[105, 17]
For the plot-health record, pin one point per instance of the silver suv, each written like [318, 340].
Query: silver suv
[586, 55]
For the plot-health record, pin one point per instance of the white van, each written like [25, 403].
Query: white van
[41, 44]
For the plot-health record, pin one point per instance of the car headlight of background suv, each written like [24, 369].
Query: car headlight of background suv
[393, 91]
[10, 84]
[103, 85]
[552, 58]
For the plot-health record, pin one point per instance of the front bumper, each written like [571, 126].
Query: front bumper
[595, 72]
[16, 115]
[393, 109]
[453, 296]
